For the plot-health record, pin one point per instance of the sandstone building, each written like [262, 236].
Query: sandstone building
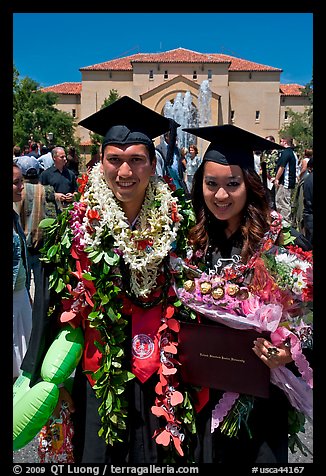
[243, 93]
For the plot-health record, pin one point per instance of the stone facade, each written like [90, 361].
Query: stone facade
[246, 94]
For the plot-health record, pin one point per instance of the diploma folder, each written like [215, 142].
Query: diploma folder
[221, 357]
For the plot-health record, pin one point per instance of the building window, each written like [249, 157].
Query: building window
[166, 74]
[151, 74]
[209, 74]
[194, 75]
[232, 116]
[257, 116]
[74, 113]
[286, 115]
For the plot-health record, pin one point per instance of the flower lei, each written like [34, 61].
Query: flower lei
[90, 237]
[272, 292]
[143, 250]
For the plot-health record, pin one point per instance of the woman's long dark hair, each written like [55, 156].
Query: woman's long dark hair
[255, 220]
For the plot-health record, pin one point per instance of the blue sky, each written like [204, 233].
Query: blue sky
[59, 44]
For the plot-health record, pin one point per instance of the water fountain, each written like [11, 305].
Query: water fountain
[204, 104]
[185, 113]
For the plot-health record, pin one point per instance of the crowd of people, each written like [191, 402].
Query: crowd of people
[48, 186]
[150, 239]
[283, 174]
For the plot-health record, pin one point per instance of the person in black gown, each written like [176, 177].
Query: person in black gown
[128, 217]
[233, 217]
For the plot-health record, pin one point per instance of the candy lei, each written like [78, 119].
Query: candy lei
[279, 336]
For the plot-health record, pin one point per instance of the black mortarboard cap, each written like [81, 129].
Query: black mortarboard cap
[126, 121]
[231, 145]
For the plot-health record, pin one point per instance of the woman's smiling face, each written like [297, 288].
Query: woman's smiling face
[224, 191]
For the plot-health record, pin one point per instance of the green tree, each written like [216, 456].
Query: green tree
[96, 139]
[35, 115]
[300, 126]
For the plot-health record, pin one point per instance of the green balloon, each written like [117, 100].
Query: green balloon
[21, 386]
[63, 355]
[32, 411]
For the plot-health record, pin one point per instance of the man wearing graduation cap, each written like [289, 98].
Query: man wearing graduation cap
[114, 258]
[234, 226]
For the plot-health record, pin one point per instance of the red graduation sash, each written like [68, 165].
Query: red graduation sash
[145, 342]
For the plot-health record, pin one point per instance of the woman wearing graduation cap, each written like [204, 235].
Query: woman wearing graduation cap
[235, 228]
[109, 266]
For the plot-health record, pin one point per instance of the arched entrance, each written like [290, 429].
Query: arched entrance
[184, 101]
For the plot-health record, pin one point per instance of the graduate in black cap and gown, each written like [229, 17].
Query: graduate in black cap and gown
[111, 276]
[233, 221]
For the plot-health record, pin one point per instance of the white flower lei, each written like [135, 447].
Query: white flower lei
[155, 224]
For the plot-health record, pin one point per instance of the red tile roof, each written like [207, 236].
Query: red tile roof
[179, 55]
[64, 88]
[238, 64]
[291, 89]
